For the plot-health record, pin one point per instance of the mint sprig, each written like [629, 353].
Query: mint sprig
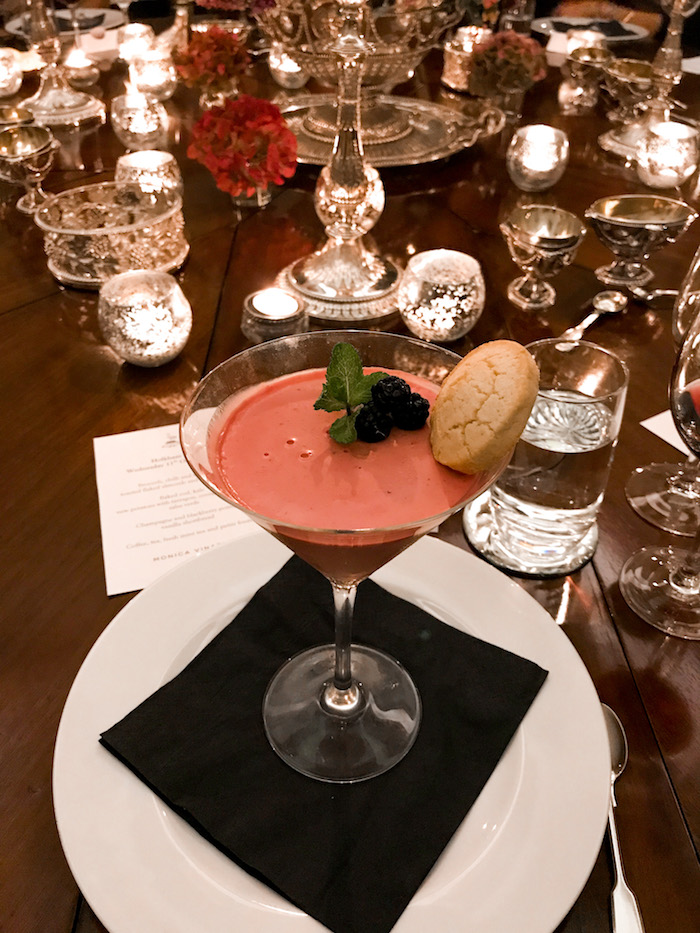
[346, 389]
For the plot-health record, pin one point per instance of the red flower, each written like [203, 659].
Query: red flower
[211, 60]
[246, 144]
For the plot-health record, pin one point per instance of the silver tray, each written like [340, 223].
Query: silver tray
[435, 131]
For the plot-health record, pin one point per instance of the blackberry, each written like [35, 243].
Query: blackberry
[389, 392]
[372, 424]
[411, 413]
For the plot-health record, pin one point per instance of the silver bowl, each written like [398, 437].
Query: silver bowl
[97, 231]
[633, 226]
[26, 156]
[542, 240]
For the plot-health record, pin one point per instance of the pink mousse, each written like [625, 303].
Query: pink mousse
[275, 457]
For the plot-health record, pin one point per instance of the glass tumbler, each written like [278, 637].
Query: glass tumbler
[539, 518]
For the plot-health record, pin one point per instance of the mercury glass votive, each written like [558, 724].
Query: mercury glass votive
[10, 73]
[139, 121]
[153, 72]
[537, 156]
[150, 169]
[284, 69]
[442, 294]
[458, 54]
[144, 317]
[80, 70]
[272, 312]
[134, 39]
[668, 154]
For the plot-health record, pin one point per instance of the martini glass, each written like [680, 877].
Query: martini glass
[662, 584]
[338, 712]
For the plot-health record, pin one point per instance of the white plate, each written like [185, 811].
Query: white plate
[519, 859]
[112, 19]
[545, 27]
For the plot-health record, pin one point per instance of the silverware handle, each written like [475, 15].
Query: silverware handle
[575, 333]
[626, 917]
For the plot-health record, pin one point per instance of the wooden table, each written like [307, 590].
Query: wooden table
[60, 386]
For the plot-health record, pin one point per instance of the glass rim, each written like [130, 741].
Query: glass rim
[589, 345]
[279, 524]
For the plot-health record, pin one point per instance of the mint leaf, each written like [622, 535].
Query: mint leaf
[345, 389]
[343, 429]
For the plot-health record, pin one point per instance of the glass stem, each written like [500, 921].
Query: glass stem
[684, 576]
[342, 696]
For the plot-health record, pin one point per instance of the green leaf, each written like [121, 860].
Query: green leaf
[343, 429]
[343, 373]
[345, 389]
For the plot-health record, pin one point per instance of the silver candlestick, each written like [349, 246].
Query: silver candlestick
[344, 281]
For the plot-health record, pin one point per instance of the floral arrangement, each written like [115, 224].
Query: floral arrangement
[506, 61]
[250, 6]
[246, 145]
[211, 60]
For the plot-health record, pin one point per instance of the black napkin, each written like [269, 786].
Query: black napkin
[350, 855]
[609, 27]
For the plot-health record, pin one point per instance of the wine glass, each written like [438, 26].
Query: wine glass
[336, 712]
[667, 495]
[662, 584]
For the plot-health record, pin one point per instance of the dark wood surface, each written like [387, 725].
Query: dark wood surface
[60, 387]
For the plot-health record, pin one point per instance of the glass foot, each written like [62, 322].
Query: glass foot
[373, 734]
[538, 554]
[646, 586]
[619, 274]
[650, 493]
[529, 295]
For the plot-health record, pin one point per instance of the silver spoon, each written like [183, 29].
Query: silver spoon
[626, 917]
[652, 296]
[608, 302]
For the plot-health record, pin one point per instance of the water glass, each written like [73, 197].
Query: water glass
[540, 517]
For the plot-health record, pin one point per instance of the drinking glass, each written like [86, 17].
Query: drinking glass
[662, 584]
[667, 495]
[337, 712]
[539, 517]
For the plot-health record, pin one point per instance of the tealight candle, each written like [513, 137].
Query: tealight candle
[272, 312]
[150, 169]
[139, 121]
[668, 154]
[10, 73]
[81, 71]
[537, 157]
[153, 72]
[285, 70]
